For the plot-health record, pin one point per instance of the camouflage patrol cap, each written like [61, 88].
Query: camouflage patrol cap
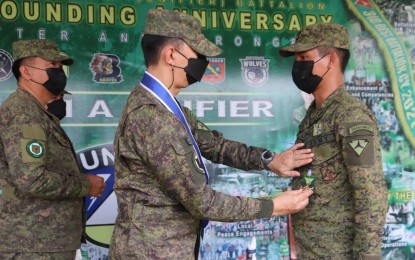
[44, 49]
[322, 34]
[179, 25]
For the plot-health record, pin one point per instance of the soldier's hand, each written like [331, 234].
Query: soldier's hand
[291, 201]
[97, 185]
[284, 163]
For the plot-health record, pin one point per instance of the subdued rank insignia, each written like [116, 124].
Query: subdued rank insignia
[35, 149]
[317, 129]
[359, 145]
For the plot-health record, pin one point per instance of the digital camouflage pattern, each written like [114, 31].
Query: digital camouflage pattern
[41, 204]
[44, 49]
[347, 210]
[70, 255]
[179, 25]
[161, 191]
[322, 34]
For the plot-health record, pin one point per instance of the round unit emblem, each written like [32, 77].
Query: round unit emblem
[35, 149]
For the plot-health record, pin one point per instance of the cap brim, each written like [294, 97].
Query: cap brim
[60, 56]
[67, 62]
[285, 53]
[294, 48]
[55, 55]
[66, 92]
[204, 47]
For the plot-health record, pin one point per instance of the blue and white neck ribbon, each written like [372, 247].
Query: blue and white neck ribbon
[157, 88]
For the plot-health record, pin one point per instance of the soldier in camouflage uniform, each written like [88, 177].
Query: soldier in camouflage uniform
[347, 211]
[41, 186]
[160, 180]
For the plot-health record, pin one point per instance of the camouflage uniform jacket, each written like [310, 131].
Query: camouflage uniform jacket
[347, 211]
[161, 190]
[41, 204]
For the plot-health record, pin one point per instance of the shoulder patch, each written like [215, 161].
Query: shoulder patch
[361, 127]
[33, 132]
[360, 150]
[35, 149]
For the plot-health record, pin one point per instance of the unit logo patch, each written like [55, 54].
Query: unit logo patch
[35, 149]
[359, 145]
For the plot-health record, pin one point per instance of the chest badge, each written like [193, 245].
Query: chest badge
[359, 146]
[317, 129]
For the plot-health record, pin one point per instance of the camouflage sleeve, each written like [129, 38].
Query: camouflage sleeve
[362, 157]
[164, 145]
[218, 149]
[25, 149]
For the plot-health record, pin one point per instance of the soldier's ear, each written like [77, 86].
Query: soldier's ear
[333, 58]
[24, 72]
[167, 54]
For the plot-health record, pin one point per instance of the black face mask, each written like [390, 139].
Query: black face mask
[56, 82]
[58, 108]
[303, 76]
[195, 68]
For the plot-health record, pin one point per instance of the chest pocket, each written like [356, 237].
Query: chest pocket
[359, 144]
[185, 148]
[61, 137]
[326, 160]
[325, 152]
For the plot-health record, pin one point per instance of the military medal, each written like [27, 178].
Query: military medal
[308, 180]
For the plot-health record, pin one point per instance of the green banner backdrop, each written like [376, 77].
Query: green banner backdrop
[247, 93]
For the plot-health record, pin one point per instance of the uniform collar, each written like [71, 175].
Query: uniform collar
[313, 113]
[26, 95]
[31, 99]
[336, 95]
